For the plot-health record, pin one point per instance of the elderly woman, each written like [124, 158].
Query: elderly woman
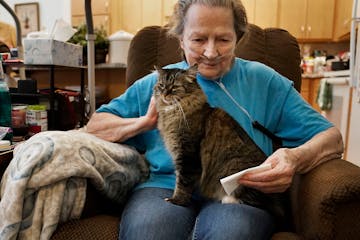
[208, 31]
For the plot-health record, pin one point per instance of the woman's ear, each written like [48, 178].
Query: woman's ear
[181, 41]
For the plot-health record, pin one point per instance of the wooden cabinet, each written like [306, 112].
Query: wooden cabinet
[136, 14]
[309, 89]
[131, 11]
[151, 12]
[342, 22]
[262, 12]
[100, 11]
[168, 8]
[307, 19]
[250, 9]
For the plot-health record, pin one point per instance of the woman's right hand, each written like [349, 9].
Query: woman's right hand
[151, 116]
[113, 128]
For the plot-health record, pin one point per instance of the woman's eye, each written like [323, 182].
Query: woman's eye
[197, 40]
[225, 40]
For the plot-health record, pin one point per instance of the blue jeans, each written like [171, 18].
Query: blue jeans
[148, 216]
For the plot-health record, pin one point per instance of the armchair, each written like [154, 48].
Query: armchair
[325, 203]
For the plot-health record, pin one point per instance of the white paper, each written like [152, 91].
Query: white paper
[62, 31]
[230, 183]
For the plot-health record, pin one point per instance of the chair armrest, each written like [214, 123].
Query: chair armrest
[326, 201]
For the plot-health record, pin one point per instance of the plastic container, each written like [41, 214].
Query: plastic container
[119, 47]
[36, 115]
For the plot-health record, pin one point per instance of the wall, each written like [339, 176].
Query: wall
[49, 10]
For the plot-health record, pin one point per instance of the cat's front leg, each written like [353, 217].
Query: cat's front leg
[187, 178]
[180, 196]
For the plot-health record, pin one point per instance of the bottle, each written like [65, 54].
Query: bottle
[5, 107]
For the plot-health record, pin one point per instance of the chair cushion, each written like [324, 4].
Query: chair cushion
[98, 227]
[150, 46]
[275, 48]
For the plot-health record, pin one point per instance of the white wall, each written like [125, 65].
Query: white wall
[49, 10]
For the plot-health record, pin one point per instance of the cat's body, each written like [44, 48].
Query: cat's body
[206, 143]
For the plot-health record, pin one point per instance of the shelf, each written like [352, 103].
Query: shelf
[29, 94]
[51, 95]
[30, 67]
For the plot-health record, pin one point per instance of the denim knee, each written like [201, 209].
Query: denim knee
[148, 216]
[233, 221]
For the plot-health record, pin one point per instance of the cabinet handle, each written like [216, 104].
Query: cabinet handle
[346, 22]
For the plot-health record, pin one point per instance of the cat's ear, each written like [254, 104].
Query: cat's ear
[193, 69]
[157, 68]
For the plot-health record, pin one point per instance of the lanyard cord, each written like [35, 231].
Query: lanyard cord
[277, 143]
[234, 101]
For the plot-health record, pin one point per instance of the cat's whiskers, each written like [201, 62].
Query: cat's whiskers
[182, 112]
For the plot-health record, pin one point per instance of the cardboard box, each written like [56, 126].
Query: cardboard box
[52, 52]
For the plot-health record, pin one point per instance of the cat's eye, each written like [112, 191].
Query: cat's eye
[161, 85]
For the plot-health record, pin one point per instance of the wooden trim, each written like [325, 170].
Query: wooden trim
[348, 123]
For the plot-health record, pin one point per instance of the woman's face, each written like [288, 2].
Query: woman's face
[209, 39]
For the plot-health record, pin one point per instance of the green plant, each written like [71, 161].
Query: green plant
[101, 40]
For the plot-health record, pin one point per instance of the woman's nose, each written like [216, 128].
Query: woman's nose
[211, 51]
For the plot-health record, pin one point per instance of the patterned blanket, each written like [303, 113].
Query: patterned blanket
[45, 183]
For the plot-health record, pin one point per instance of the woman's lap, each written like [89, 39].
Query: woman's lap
[148, 216]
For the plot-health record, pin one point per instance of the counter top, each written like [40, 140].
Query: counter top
[110, 65]
[312, 75]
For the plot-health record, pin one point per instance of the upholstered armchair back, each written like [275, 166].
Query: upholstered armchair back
[272, 46]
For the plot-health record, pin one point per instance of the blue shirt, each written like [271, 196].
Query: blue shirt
[260, 93]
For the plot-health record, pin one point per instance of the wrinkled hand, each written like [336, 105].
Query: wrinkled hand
[278, 178]
[151, 115]
[113, 128]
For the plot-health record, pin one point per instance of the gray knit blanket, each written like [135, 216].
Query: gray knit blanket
[45, 183]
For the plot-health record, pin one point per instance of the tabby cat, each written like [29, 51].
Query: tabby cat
[205, 143]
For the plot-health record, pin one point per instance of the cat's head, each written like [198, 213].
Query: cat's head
[175, 84]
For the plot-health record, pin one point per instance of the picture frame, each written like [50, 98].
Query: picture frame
[28, 14]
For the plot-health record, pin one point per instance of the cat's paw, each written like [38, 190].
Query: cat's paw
[178, 201]
[229, 199]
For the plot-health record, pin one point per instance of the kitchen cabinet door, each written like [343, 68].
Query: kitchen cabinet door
[97, 7]
[261, 12]
[151, 12]
[342, 22]
[320, 19]
[292, 16]
[131, 15]
[307, 19]
[266, 12]
[99, 21]
[168, 8]
[309, 89]
[136, 14]
[77, 7]
[100, 12]
[249, 6]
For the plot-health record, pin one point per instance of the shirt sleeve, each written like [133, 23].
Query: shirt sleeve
[131, 104]
[135, 101]
[299, 122]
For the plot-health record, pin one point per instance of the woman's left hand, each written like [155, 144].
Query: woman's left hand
[278, 178]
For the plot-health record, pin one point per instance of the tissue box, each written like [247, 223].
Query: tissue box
[52, 52]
